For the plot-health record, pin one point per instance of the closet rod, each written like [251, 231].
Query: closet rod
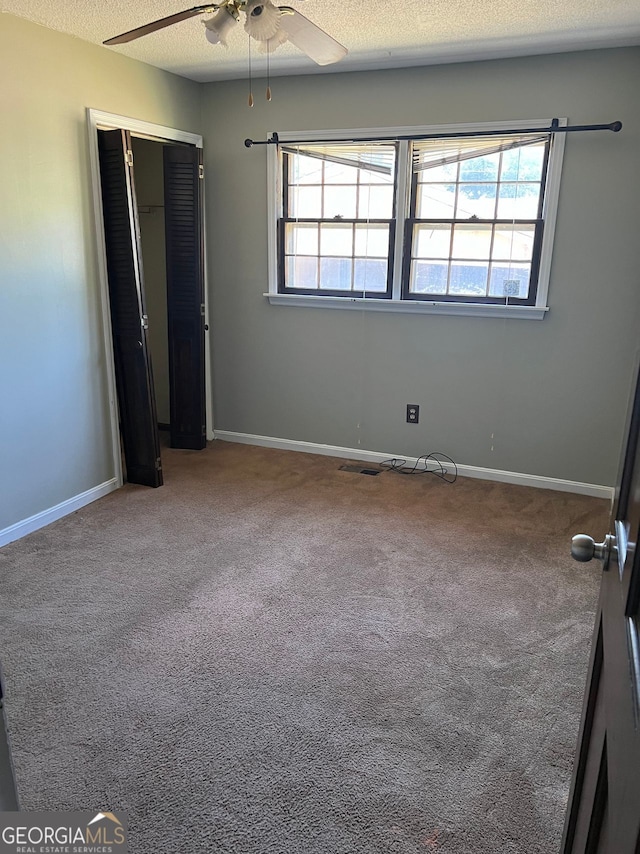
[555, 128]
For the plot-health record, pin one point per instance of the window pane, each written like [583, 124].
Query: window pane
[372, 241]
[523, 164]
[301, 272]
[370, 275]
[336, 239]
[480, 168]
[340, 201]
[368, 176]
[476, 200]
[301, 239]
[375, 202]
[510, 242]
[436, 201]
[471, 241]
[305, 202]
[518, 201]
[339, 173]
[335, 274]
[509, 280]
[304, 170]
[468, 279]
[432, 241]
[446, 172]
[428, 277]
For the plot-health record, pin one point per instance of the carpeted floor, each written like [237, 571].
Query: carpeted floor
[272, 656]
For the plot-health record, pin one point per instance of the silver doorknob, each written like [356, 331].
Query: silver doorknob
[585, 548]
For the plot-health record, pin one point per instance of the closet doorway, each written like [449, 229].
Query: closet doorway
[151, 231]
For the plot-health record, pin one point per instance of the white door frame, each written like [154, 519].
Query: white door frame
[99, 120]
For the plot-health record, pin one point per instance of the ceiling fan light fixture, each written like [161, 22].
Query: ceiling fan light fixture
[263, 20]
[219, 27]
[271, 44]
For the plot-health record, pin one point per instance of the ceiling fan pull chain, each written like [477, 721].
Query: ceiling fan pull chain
[268, 71]
[250, 78]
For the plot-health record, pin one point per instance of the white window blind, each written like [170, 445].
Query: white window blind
[432, 153]
[370, 156]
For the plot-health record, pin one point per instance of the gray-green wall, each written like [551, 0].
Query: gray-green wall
[541, 397]
[55, 438]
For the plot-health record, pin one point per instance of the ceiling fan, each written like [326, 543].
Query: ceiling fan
[268, 24]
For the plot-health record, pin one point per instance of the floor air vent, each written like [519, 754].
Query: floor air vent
[360, 470]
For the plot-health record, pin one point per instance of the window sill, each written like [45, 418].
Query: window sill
[518, 312]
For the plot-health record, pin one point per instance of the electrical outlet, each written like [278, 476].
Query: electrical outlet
[413, 413]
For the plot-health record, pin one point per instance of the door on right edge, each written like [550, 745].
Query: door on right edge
[603, 816]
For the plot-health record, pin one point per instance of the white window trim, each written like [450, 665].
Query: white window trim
[397, 305]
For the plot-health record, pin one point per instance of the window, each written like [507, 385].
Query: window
[338, 225]
[451, 223]
[475, 226]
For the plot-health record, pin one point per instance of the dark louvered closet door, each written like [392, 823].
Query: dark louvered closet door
[138, 421]
[185, 294]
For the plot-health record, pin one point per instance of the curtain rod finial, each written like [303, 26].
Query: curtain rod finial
[248, 143]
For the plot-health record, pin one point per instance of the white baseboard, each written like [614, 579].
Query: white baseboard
[33, 523]
[40, 520]
[463, 470]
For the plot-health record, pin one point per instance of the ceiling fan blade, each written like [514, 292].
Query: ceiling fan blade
[160, 24]
[303, 33]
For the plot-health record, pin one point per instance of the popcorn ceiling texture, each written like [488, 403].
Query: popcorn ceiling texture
[377, 34]
[269, 655]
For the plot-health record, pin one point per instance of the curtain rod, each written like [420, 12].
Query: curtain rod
[555, 128]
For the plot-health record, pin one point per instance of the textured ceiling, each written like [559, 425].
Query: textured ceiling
[377, 34]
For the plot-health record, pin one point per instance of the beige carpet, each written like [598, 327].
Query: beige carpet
[270, 655]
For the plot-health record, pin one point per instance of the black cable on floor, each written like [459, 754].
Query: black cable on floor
[432, 463]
